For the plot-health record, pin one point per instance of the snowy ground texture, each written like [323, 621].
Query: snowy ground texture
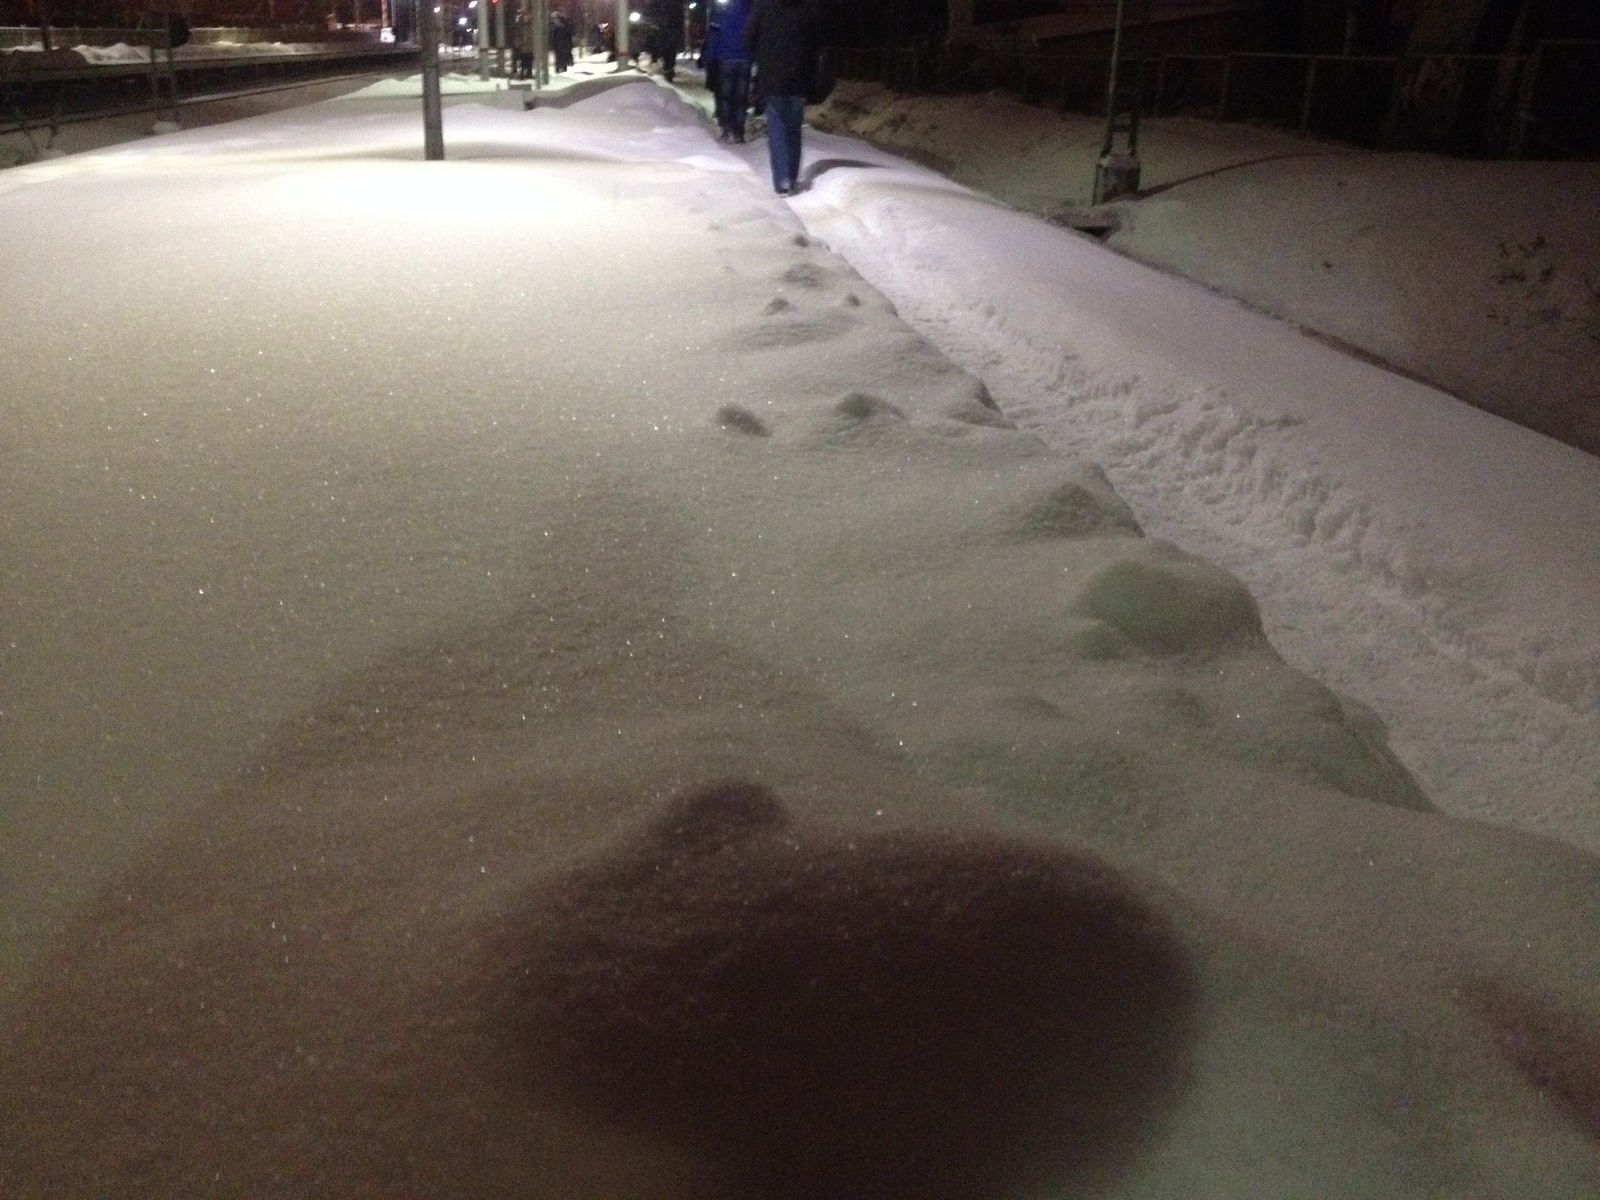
[1481, 278]
[1404, 551]
[402, 557]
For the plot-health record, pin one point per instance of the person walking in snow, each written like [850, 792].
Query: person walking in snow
[725, 48]
[561, 40]
[668, 18]
[784, 38]
[707, 62]
[522, 42]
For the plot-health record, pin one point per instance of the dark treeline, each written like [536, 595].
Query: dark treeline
[1284, 26]
[885, 22]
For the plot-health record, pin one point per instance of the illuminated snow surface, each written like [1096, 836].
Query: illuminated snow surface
[385, 540]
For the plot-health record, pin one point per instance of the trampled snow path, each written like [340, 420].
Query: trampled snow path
[1439, 564]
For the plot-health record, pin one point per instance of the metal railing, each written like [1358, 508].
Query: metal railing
[37, 96]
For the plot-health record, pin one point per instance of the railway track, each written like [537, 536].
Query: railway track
[37, 98]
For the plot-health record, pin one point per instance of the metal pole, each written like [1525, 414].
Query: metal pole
[172, 80]
[172, 69]
[1111, 83]
[541, 43]
[161, 39]
[432, 115]
[1311, 87]
[544, 59]
[621, 39]
[959, 22]
[1117, 173]
[155, 82]
[482, 39]
[1525, 94]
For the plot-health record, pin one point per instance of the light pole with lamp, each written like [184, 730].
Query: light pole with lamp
[1116, 172]
[427, 25]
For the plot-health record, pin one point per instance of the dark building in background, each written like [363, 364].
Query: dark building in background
[1286, 26]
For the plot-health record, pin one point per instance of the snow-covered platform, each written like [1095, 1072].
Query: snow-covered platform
[403, 558]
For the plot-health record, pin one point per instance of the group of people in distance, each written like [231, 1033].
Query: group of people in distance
[559, 39]
[772, 45]
[767, 46]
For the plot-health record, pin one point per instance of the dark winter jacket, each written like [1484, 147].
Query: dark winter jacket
[668, 18]
[727, 42]
[783, 37]
[560, 34]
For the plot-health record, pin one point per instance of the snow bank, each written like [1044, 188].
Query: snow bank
[1434, 562]
[1476, 276]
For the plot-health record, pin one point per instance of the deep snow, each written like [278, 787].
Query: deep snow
[1481, 278]
[383, 536]
[1439, 564]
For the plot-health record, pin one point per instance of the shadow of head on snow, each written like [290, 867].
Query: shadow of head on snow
[893, 1014]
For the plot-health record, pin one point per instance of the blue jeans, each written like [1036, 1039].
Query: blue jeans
[733, 94]
[785, 115]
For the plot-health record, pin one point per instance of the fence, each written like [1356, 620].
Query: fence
[1545, 104]
[40, 92]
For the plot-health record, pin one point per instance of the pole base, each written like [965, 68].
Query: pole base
[1115, 176]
